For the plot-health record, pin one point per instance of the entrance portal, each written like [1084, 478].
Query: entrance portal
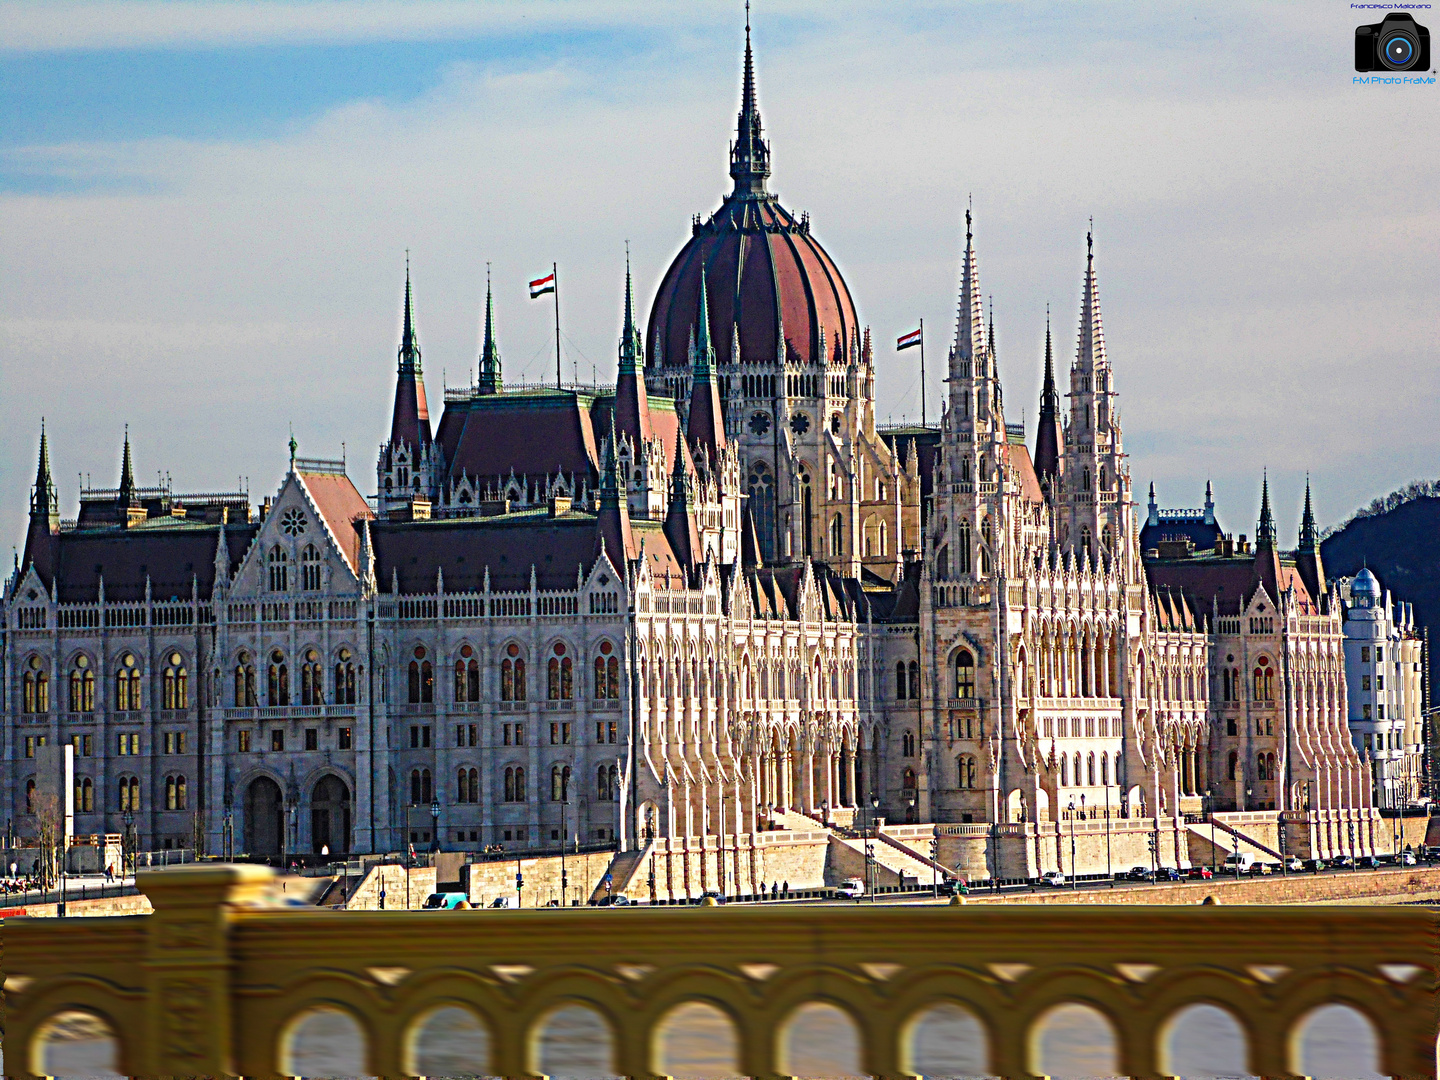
[264, 818]
[330, 816]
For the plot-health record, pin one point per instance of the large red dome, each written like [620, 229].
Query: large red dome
[766, 275]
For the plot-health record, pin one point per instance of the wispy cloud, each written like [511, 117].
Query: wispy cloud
[1269, 281]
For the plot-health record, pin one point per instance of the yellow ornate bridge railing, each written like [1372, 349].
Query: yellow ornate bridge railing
[211, 984]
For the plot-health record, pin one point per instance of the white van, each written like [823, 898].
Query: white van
[505, 901]
[850, 889]
[1244, 861]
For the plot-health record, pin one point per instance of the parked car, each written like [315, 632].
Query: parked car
[1316, 865]
[1342, 862]
[1200, 873]
[505, 901]
[712, 894]
[1170, 873]
[1261, 869]
[445, 901]
[1140, 873]
[953, 887]
[1294, 865]
[618, 899]
[850, 889]
[1053, 878]
[1407, 858]
[1369, 862]
[1241, 861]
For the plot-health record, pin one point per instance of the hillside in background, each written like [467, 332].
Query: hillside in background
[1401, 546]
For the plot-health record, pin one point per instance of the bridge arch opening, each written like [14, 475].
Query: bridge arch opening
[76, 1043]
[324, 1041]
[820, 1041]
[1204, 1042]
[697, 1041]
[449, 1040]
[574, 1042]
[946, 1039]
[1334, 1042]
[1073, 1041]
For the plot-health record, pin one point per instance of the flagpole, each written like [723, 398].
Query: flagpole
[555, 273]
[922, 373]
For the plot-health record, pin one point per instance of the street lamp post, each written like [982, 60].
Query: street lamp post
[564, 875]
[1073, 883]
[1236, 838]
[910, 803]
[127, 844]
[1210, 813]
[870, 844]
[434, 827]
[229, 834]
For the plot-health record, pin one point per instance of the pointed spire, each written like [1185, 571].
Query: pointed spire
[969, 320]
[489, 351]
[1210, 503]
[409, 346]
[1265, 532]
[127, 475]
[749, 154]
[1048, 438]
[632, 358]
[44, 500]
[1309, 535]
[702, 352]
[1091, 351]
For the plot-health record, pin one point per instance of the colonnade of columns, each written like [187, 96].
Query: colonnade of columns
[807, 780]
[1083, 665]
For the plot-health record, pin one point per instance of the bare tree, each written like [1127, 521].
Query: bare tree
[50, 834]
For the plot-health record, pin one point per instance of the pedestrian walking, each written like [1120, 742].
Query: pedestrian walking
[785, 890]
[762, 890]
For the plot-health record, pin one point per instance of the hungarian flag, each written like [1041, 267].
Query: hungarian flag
[906, 341]
[540, 286]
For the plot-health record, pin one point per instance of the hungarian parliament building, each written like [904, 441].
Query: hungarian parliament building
[710, 602]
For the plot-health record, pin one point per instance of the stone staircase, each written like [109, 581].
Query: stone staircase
[623, 870]
[895, 865]
[1207, 852]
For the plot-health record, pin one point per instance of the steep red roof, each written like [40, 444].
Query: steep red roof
[341, 505]
[171, 553]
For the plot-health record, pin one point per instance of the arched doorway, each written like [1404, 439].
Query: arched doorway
[264, 817]
[330, 816]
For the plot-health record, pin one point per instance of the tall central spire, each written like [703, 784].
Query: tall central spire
[127, 475]
[749, 154]
[1091, 351]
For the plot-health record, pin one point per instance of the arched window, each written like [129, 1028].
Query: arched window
[914, 681]
[1064, 771]
[129, 788]
[174, 683]
[560, 783]
[279, 569]
[279, 680]
[907, 744]
[1264, 688]
[760, 487]
[515, 784]
[965, 771]
[422, 678]
[902, 691]
[344, 678]
[607, 673]
[127, 685]
[512, 674]
[560, 672]
[1225, 685]
[85, 795]
[30, 796]
[467, 675]
[962, 558]
[467, 786]
[837, 536]
[1261, 772]
[82, 685]
[1105, 769]
[175, 796]
[1090, 770]
[607, 788]
[312, 679]
[807, 513]
[1234, 768]
[987, 542]
[422, 789]
[36, 687]
[1079, 776]
[244, 682]
[310, 569]
[964, 674]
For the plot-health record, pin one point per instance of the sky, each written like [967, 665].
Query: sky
[205, 211]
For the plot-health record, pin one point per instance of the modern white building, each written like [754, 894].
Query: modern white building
[1384, 673]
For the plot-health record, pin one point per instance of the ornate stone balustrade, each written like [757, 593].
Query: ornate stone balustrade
[209, 985]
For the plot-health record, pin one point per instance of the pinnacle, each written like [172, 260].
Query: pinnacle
[409, 346]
